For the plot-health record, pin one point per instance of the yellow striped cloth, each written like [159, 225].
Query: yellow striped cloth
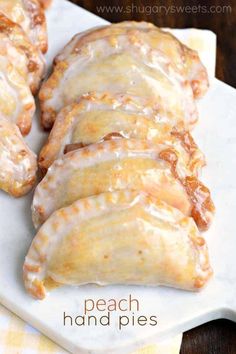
[17, 337]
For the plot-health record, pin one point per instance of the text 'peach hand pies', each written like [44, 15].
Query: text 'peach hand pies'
[89, 122]
[134, 62]
[29, 14]
[18, 164]
[120, 164]
[33, 58]
[124, 237]
[16, 100]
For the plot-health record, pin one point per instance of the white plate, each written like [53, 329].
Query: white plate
[176, 310]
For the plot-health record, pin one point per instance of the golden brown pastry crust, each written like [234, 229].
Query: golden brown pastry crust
[94, 119]
[16, 101]
[125, 237]
[18, 163]
[195, 70]
[34, 59]
[29, 14]
[119, 164]
[119, 48]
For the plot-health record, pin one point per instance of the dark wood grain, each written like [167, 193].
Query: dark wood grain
[217, 337]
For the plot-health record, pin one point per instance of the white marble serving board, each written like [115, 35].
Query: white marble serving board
[176, 310]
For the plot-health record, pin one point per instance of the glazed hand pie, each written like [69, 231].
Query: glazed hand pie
[18, 163]
[120, 164]
[16, 100]
[168, 45]
[123, 237]
[92, 120]
[27, 54]
[128, 61]
[30, 16]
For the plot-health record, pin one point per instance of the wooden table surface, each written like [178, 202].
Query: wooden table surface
[217, 337]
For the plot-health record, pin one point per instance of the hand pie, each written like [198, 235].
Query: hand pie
[18, 164]
[124, 237]
[133, 62]
[16, 101]
[88, 122]
[26, 52]
[120, 164]
[196, 72]
[30, 16]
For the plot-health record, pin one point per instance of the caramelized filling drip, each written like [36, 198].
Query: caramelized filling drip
[72, 147]
[76, 146]
[113, 135]
[199, 194]
[201, 198]
[186, 140]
